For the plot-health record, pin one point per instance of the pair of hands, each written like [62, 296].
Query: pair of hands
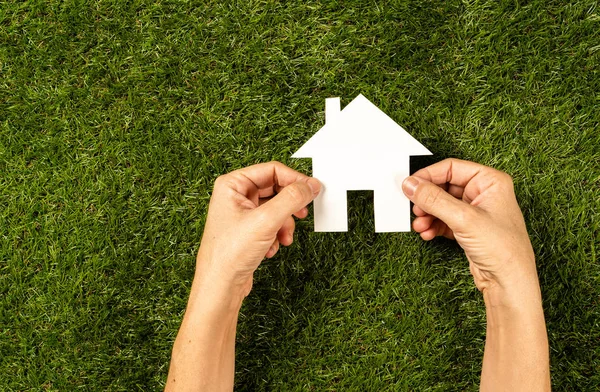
[251, 213]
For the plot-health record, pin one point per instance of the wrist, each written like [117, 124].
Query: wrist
[514, 284]
[522, 294]
[214, 293]
[515, 305]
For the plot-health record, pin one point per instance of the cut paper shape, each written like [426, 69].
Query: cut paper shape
[360, 148]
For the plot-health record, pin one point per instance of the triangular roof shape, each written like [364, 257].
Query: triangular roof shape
[360, 129]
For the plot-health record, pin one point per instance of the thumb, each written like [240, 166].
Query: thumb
[435, 201]
[289, 200]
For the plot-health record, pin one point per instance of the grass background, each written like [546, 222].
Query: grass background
[116, 116]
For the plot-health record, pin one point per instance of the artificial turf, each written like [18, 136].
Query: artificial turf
[116, 117]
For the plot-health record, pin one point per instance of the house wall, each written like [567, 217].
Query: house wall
[392, 208]
[354, 173]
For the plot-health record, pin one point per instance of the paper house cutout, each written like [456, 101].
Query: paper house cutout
[360, 148]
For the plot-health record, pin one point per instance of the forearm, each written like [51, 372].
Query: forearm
[204, 351]
[516, 354]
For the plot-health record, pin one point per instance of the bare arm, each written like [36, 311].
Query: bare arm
[204, 352]
[516, 354]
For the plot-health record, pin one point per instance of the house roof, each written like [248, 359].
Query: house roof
[360, 129]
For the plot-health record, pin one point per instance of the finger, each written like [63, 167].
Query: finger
[456, 191]
[452, 171]
[418, 210]
[423, 223]
[285, 235]
[428, 235]
[442, 230]
[270, 191]
[273, 249]
[435, 201]
[447, 232]
[303, 213]
[264, 176]
[437, 228]
[290, 200]
[266, 192]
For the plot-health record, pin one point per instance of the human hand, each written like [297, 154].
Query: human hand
[249, 216]
[476, 206]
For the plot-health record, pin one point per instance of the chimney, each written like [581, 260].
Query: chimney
[332, 110]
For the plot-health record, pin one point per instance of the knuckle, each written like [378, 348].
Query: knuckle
[225, 183]
[220, 181]
[508, 180]
[504, 179]
[276, 165]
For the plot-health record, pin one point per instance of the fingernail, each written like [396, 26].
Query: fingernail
[409, 186]
[315, 185]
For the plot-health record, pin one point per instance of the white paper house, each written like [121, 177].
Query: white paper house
[360, 148]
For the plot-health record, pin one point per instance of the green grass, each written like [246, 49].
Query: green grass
[115, 118]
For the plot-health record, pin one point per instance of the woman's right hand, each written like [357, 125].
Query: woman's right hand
[476, 206]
